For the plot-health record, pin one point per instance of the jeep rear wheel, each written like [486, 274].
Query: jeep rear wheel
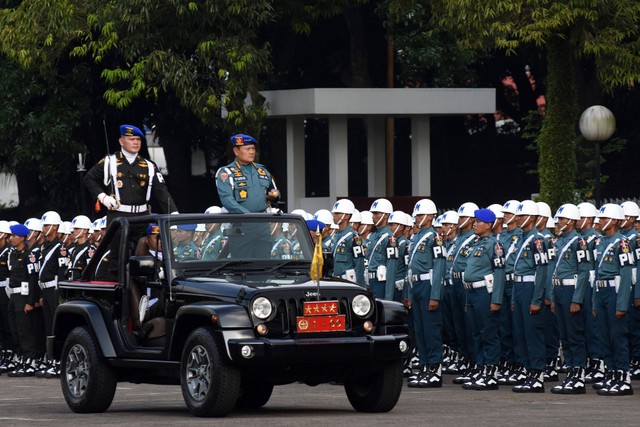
[88, 384]
[210, 385]
[377, 392]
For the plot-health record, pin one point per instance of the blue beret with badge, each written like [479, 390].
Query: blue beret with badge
[485, 215]
[20, 230]
[241, 139]
[153, 229]
[187, 227]
[314, 224]
[130, 130]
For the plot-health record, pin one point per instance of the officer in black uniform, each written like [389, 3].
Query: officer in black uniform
[7, 343]
[125, 182]
[23, 282]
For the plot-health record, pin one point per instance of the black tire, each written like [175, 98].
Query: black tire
[88, 383]
[377, 392]
[254, 395]
[210, 385]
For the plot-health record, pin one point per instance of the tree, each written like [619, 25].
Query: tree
[602, 32]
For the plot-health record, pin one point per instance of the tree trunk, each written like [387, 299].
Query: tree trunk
[557, 139]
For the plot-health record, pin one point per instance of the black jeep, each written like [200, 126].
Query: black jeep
[228, 311]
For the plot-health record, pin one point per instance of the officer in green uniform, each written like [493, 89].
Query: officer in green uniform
[426, 275]
[382, 251]
[530, 274]
[185, 248]
[346, 245]
[569, 275]
[282, 247]
[614, 267]
[244, 187]
[595, 369]
[484, 282]
[397, 223]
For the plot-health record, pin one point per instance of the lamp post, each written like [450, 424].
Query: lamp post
[597, 124]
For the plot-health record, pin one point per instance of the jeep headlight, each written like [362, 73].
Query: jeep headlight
[361, 305]
[261, 308]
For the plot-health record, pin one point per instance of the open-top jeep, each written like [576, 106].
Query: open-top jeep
[227, 320]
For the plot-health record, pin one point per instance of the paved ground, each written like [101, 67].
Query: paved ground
[31, 401]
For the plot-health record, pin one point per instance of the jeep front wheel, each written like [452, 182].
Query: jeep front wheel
[378, 391]
[210, 385]
[88, 384]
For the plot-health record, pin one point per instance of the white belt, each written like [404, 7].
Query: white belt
[606, 283]
[422, 277]
[564, 282]
[372, 274]
[132, 208]
[524, 278]
[4, 283]
[50, 284]
[475, 285]
[15, 290]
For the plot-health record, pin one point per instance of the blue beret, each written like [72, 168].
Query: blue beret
[242, 139]
[314, 224]
[485, 215]
[187, 227]
[130, 130]
[153, 229]
[20, 230]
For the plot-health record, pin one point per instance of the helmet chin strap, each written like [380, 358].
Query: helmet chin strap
[540, 218]
[465, 222]
[526, 221]
[379, 220]
[422, 221]
[584, 221]
[604, 227]
[513, 217]
[340, 220]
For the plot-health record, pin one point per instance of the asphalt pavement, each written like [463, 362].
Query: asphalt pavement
[39, 402]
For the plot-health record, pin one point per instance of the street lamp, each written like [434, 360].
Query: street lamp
[597, 124]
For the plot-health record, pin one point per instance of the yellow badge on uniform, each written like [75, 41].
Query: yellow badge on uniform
[119, 184]
[261, 171]
[243, 194]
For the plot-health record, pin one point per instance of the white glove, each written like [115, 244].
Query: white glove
[108, 201]
[399, 284]
[7, 290]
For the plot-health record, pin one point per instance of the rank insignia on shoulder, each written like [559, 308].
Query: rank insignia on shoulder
[223, 176]
[261, 171]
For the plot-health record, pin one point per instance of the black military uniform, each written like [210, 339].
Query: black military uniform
[53, 266]
[132, 182]
[7, 342]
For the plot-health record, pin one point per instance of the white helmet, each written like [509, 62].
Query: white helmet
[325, 216]
[13, 223]
[568, 210]
[551, 223]
[449, 217]
[630, 208]
[398, 217]
[544, 209]
[201, 228]
[81, 221]
[497, 210]
[437, 223]
[381, 205]
[343, 206]
[510, 207]
[4, 227]
[33, 224]
[587, 210]
[467, 209]
[300, 212]
[367, 218]
[51, 218]
[68, 227]
[527, 207]
[425, 207]
[356, 217]
[409, 220]
[611, 210]
[103, 222]
[213, 210]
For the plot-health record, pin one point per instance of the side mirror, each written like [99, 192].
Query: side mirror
[142, 266]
